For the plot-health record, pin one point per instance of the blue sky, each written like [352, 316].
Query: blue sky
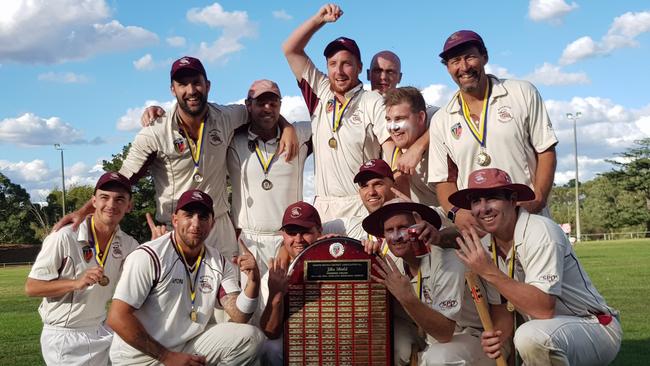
[80, 72]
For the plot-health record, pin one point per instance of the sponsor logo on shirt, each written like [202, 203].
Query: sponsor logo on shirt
[448, 304]
[206, 284]
[504, 114]
[177, 281]
[549, 277]
[456, 130]
[214, 137]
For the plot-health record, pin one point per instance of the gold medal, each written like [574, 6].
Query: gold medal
[104, 281]
[510, 306]
[332, 143]
[193, 316]
[198, 178]
[483, 159]
[267, 184]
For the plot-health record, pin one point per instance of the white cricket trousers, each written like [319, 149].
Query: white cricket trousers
[568, 340]
[71, 347]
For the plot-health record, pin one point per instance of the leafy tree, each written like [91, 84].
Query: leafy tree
[632, 173]
[15, 217]
[135, 223]
[75, 198]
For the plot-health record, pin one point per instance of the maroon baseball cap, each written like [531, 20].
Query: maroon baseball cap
[459, 38]
[483, 181]
[194, 196]
[187, 63]
[374, 223]
[301, 214]
[373, 168]
[342, 43]
[260, 87]
[113, 178]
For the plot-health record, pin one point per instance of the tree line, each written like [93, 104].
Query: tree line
[614, 201]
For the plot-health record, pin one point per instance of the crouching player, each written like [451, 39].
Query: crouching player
[435, 319]
[76, 272]
[530, 262]
[170, 286]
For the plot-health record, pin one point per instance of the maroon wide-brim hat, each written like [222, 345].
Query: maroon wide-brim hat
[374, 223]
[483, 181]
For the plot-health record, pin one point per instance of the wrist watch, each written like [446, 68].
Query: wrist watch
[451, 214]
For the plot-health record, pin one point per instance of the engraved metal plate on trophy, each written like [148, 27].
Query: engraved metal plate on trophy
[335, 314]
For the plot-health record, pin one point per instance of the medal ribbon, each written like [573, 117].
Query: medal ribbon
[100, 256]
[196, 148]
[480, 132]
[266, 164]
[336, 116]
[393, 160]
[511, 264]
[195, 271]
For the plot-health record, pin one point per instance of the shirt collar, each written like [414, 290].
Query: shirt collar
[252, 136]
[498, 90]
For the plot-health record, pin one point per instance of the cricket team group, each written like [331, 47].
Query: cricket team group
[390, 171]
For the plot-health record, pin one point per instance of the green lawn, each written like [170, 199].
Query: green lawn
[620, 270]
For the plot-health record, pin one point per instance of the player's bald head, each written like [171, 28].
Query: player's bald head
[389, 56]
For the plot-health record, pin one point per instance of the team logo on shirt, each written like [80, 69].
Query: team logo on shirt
[456, 130]
[504, 114]
[330, 106]
[355, 119]
[426, 294]
[206, 284]
[214, 137]
[336, 250]
[117, 251]
[549, 277]
[179, 145]
[87, 253]
[448, 304]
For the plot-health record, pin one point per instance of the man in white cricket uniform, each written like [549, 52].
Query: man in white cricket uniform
[171, 285]
[538, 275]
[434, 314]
[76, 272]
[264, 184]
[348, 123]
[489, 122]
[186, 149]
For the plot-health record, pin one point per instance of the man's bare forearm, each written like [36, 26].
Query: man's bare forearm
[122, 320]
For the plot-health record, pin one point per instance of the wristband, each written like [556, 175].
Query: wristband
[451, 214]
[245, 304]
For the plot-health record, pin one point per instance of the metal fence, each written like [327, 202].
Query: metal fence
[5, 265]
[616, 236]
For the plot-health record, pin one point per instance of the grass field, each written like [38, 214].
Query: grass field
[620, 270]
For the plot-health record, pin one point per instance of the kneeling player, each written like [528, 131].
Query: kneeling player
[538, 274]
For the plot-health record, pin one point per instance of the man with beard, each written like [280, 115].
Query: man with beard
[531, 268]
[187, 150]
[162, 305]
[76, 272]
[264, 184]
[489, 122]
[348, 123]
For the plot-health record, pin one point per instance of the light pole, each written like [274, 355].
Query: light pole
[58, 147]
[575, 119]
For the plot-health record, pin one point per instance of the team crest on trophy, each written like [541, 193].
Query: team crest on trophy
[336, 250]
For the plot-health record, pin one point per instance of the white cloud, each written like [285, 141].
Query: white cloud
[235, 26]
[621, 34]
[549, 10]
[281, 14]
[294, 109]
[130, 121]
[64, 30]
[549, 74]
[144, 63]
[30, 130]
[63, 77]
[498, 71]
[437, 94]
[31, 171]
[176, 41]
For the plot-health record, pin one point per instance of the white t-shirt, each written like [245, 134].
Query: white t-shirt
[362, 131]
[254, 208]
[155, 283]
[518, 128]
[67, 254]
[544, 258]
[163, 150]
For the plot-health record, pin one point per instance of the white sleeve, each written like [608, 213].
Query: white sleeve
[138, 277]
[543, 261]
[229, 281]
[439, 153]
[50, 258]
[449, 286]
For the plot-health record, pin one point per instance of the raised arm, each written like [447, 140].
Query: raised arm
[544, 176]
[294, 46]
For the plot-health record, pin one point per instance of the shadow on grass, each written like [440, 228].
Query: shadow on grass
[633, 352]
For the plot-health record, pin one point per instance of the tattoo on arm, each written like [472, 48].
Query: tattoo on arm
[229, 302]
